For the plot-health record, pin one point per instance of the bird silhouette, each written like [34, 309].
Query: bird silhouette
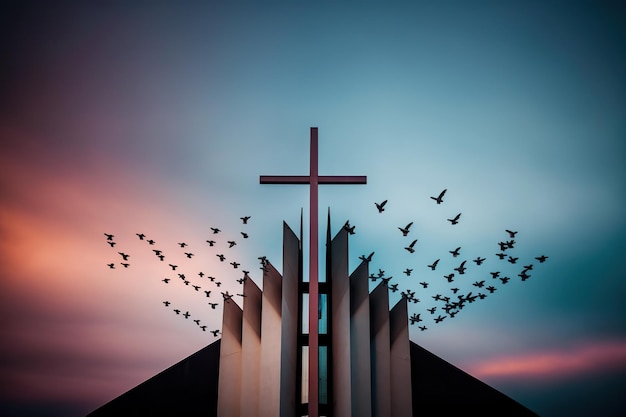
[512, 259]
[479, 260]
[511, 233]
[173, 267]
[245, 219]
[439, 318]
[231, 243]
[479, 284]
[167, 303]
[408, 271]
[422, 328]
[182, 244]
[161, 257]
[208, 293]
[405, 229]
[215, 230]
[188, 254]
[222, 257]
[455, 252]
[166, 280]
[244, 235]
[449, 277]
[415, 318]
[203, 328]
[210, 242]
[410, 247]
[112, 265]
[157, 252]
[434, 264]
[215, 332]
[439, 198]
[505, 279]
[461, 268]
[367, 258]
[495, 275]
[381, 206]
[186, 314]
[235, 264]
[109, 236]
[501, 255]
[124, 256]
[491, 289]
[177, 311]
[201, 274]
[348, 228]
[455, 220]
[424, 284]
[213, 305]
[126, 265]
[541, 258]
[111, 243]
[197, 321]
[196, 287]
[523, 275]
[140, 235]
[150, 241]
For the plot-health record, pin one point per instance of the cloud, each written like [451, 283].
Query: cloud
[585, 359]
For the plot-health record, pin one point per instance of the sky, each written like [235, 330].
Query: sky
[159, 117]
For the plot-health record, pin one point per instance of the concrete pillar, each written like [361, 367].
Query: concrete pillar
[289, 331]
[269, 388]
[229, 388]
[340, 326]
[380, 351]
[401, 390]
[360, 364]
[251, 349]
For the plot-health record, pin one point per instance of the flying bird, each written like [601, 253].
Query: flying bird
[408, 271]
[381, 206]
[150, 241]
[511, 233]
[213, 305]
[177, 311]
[182, 244]
[410, 247]
[512, 259]
[111, 243]
[505, 279]
[215, 230]
[495, 275]
[245, 219]
[157, 252]
[140, 235]
[501, 255]
[415, 318]
[424, 284]
[222, 257]
[541, 258]
[231, 243]
[479, 284]
[186, 314]
[244, 235]
[203, 328]
[235, 264]
[439, 198]
[422, 328]
[173, 267]
[449, 277]
[405, 230]
[166, 280]
[491, 289]
[479, 260]
[348, 228]
[455, 252]
[439, 318]
[215, 332]
[208, 293]
[197, 321]
[188, 254]
[109, 236]
[125, 264]
[455, 220]
[167, 303]
[124, 256]
[210, 242]
[196, 287]
[461, 268]
[366, 258]
[112, 266]
[434, 264]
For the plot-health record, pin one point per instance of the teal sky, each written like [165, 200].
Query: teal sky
[160, 118]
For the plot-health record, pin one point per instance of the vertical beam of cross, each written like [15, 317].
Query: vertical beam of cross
[313, 179]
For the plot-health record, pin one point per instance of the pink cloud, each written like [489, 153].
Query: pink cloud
[555, 364]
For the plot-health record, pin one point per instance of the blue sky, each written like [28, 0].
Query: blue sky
[160, 119]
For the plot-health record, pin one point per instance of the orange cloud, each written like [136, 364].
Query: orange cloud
[583, 359]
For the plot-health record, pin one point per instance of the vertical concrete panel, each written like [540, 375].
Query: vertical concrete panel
[289, 334]
[269, 389]
[251, 349]
[401, 390]
[380, 351]
[360, 364]
[340, 326]
[229, 388]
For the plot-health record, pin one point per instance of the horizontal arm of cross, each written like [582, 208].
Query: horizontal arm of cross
[306, 179]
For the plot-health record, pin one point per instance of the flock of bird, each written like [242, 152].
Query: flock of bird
[204, 285]
[440, 306]
[444, 305]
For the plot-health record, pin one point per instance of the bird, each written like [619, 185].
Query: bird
[215, 230]
[434, 265]
[495, 275]
[210, 242]
[405, 230]
[415, 318]
[455, 220]
[167, 303]
[140, 235]
[213, 305]
[479, 284]
[111, 243]
[505, 279]
[439, 198]
[242, 280]
[439, 318]
[454, 290]
[157, 252]
[166, 280]
[479, 260]
[203, 328]
[501, 255]
[455, 252]
[222, 257]
[393, 287]
[511, 233]
[348, 228]
[215, 332]
[226, 296]
[188, 254]
[186, 282]
[512, 259]
[235, 264]
[109, 236]
[408, 271]
[197, 321]
[201, 274]
[491, 289]
[196, 287]
[182, 244]
[181, 276]
[449, 277]
[124, 256]
[245, 219]
[461, 268]
[173, 267]
[367, 258]
[161, 257]
[424, 284]
[186, 314]
[112, 265]
[422, 328]
[244, 235]
[541, 258]
[523, 275]
[528, 267]
[231, 243]
[150, 241]
[177, 311]
[381, 206]
[208, 293]
[410, 247]
[126, 265]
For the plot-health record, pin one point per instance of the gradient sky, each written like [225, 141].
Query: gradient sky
[159, 119]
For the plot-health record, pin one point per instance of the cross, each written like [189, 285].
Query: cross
[313, 179]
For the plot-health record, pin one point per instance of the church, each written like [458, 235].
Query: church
[367, 365]
[318, 348]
